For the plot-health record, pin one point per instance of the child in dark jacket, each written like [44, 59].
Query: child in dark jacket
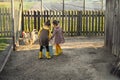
[58, 37]
[44, 35]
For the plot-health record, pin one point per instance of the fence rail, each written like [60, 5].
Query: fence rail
[5, 22]
[76, 23]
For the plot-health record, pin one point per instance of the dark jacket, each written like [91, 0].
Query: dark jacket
[44, 35]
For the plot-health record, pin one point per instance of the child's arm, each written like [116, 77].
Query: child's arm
[39, 32]
[50, 34]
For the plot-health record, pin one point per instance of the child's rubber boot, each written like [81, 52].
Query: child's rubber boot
[48, 55]
[40, 55]
[56, 52]
[60, 51]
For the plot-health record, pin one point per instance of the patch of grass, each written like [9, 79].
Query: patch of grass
[5, 4]
[3, 43]
[28, 5]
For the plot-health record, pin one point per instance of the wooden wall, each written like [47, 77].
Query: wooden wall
[112, 26]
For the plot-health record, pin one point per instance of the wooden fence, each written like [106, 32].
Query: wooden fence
[112, 25]
[76, 23]
[5, 22]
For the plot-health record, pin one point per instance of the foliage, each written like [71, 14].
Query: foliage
[3, 43]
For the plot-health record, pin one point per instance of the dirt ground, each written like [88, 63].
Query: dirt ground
[83, 58]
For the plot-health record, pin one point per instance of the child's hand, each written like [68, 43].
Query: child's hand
[63, 31]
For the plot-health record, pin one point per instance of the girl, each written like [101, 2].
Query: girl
[58, 37]
[44, 36]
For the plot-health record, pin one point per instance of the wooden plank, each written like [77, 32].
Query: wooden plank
[96, 20]
[44, 15]
[68, 24]
[93, 30]
[59, 13]
[23, 21]
[75, 24]
[31, 19]
[26, 29]
[29, 28]
[3, 27]
[50, 14]
[10, 23]
[90, 27]
[71, 24]
[4, 21]
[102, 22]
[47, 14]
[56, 14]
[34, 19]
[118, 38]
[53, 16]
[38, 21]
[83, 22]
[80, 25]
[87, 26]
[99, 23]
[62, 19]
[0, 22]
[42, 18]
[6, 11]
[7, 22]
[118, 27]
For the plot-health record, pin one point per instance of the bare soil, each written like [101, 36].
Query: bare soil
[83, 58]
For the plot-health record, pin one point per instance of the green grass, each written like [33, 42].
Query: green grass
[28, 5]
[8, 4]
[5, 4]
[3, 43]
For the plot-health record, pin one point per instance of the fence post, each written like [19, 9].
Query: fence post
[44, 16]
[99, 15]
[13, 31]
[22, 21]
[68, 23]
[102, 22]
[93, 20]
[38, 20]
[34, 19]
[96, 21]
[79, 23]
[29, 21]
[47, 14]
[0, 22]
[87, 30]
[72, 24]
[63, 15]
